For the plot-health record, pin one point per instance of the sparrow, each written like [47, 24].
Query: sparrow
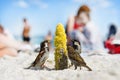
[76, 45]
[76, 59]
[42, 56]
[63, 59]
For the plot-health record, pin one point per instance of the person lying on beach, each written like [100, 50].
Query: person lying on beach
[9, 46]
[4, 49]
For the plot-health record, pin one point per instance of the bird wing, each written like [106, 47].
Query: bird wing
[78, 55]
[77, 58]
[38, 57]
[73, 55]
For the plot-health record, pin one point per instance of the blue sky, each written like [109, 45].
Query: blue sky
[43, 15]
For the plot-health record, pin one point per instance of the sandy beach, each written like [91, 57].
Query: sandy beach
[105, 67]
[60, 29]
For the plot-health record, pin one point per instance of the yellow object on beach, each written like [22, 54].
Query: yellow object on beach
[60, 43]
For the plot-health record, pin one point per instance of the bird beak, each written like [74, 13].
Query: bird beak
[48, 41]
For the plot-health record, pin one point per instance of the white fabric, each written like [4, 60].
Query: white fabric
[95, 35]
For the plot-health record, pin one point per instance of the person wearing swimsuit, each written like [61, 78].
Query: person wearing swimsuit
[26, 31]
[77, 26]
[77, 23]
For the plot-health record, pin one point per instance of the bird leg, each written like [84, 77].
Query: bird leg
[42, 66]
[80, 67]
[70, 65]
[75, 66]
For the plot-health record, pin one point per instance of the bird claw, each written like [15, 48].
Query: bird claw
[42, 67]
[80, 68]
[70, 66]
[75, 67]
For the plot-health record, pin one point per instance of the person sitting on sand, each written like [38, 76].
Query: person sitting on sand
[26, 31]
[81, 28]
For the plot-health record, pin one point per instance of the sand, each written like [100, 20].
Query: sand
[105, 67]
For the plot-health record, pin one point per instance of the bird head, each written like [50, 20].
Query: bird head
[76, 44]
[44, 44]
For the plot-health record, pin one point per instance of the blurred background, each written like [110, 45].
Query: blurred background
[36, 20]
[43, 15]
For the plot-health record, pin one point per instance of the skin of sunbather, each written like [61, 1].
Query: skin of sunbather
[6, 47]
[7, 51]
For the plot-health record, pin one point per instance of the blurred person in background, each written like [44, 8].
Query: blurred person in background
[7, 46]
[5, 32]
[111, 34]
[113, 40]
[26, 31]
[49, 38]
[112, 31]
[82, 28]
[1, 29]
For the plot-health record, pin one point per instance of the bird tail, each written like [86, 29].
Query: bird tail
[88, 68]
